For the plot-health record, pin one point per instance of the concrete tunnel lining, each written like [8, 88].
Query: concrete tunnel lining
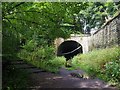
[68, 46]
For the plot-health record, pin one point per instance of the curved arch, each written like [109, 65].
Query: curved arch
[69, 49]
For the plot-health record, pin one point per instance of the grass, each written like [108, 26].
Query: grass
[95, 62]
[96, 59]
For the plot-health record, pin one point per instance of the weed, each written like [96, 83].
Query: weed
[102, 63]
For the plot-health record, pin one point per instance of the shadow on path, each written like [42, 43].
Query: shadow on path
[64, 79]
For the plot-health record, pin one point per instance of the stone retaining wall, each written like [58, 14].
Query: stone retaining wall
[107, 36]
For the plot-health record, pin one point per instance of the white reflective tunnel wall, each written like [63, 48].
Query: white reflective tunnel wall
[83, 40]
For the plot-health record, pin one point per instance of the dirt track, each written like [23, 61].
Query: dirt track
[63, 79]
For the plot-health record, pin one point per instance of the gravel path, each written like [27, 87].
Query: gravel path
[64, 79]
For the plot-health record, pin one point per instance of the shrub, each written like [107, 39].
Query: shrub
[30, 46]
[24, 55]
[43, 58]
[57, 62]
[42, 53]
[52, 65]
[112, 71]
[94, 61]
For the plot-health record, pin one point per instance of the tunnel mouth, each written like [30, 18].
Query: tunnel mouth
[69, 49]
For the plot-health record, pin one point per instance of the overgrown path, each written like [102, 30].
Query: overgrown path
[63, 79]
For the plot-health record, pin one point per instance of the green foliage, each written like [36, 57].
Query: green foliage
[9, 40]
[112, 71]
[39, 23]
[43, 58]
[103, 63]
[96, 58]
[30, 46]
[57, 62]
[23, 54]
[45, 18]
[43, 53]
[96, 13]
[14, 78]
[52, 65]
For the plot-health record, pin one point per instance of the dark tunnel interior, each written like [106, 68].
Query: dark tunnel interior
[69, 49]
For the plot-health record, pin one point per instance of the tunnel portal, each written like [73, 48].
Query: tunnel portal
[69, 49]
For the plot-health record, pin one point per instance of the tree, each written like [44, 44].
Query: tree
[43, 22]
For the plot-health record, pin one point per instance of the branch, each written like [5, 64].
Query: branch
[25, 12]
[11, 24]
[24, 20]
[43, 26]
[15, 6]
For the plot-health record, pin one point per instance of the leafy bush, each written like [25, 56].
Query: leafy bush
[24, 55]
[30, 45]
[43, 58]
[51, 65]
[41, 53]
[57, 62]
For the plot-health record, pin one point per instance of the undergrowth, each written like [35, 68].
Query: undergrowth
[44, 58]
[14, 79]
[104, 64]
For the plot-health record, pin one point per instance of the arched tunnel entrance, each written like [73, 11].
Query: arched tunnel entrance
[69, 49]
